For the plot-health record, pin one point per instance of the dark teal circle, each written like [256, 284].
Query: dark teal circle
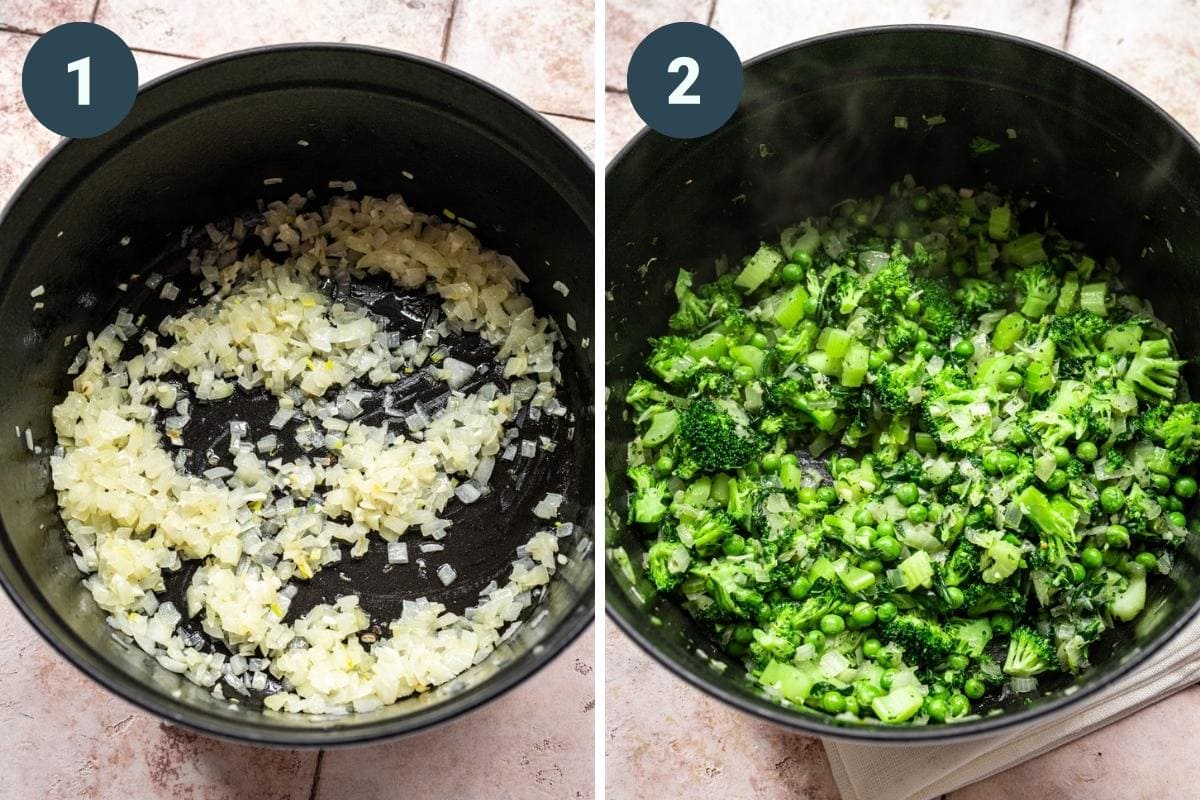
[718, 80]
[52, 93]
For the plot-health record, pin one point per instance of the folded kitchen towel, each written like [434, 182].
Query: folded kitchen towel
[918, 772]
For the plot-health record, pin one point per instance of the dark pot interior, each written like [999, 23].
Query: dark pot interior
[816, 125]
[196, 149]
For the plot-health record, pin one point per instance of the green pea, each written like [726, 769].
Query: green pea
[903, 231]
[827, 495]
[973, 688]
[955, 597]
[867, 533]
[1062, 456]
[803, 259]
[871, 647]
[843, 465]
[866, 692]
[1086, 451]
[1178, 519]
[789, 459]
[958, 662]
[886, 612]
[1011, 381]
[861, 218]
[1057, 480]
[770, 462]
[926, 349]
[964, 349]
[734, 544]
[917, 513]
[743, 373]
[991, 461]
[833, 702]
[664, 465]
[759, 340]
[959, 706]
[920, 202]
[937, 709]
[874, 361]
[888, 548]
[807, 494]
[799, 588]
[1161, 483]
[832, 624]
[810, 306]
[1075, 572]
[863, 615]
[885, 680]
[886, 528]
[1002, 622]
[792, 273]
[1174, 504]
[743, 634]
[1146, 559]
[852, 706]
[1112, 499]
[1007, 461]
[736, 649]
[912, 306]
[725, 364]
[886, 354]
[815, 639]
[907, 493]
[1091, 557]
[1185, 487]
[863, 517]
[873, 565]
[1117, 536]
[960, 267]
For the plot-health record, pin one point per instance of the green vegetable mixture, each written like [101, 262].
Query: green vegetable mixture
[912, 455]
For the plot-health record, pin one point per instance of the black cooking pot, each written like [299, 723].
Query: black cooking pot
[196, 149]
[817, 125]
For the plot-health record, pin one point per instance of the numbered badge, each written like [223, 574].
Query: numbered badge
[685, 80]
[79, 80]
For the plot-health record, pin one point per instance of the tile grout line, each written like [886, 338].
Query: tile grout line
[1066, 40]
[712, 12]
[577, 117]
[164, 53]
[312, 792]
[95, 10]
[446, 33]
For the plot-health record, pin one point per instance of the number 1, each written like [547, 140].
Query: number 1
[680, 97]
[84, 67]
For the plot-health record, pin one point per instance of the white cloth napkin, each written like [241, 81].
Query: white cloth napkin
[919, 772]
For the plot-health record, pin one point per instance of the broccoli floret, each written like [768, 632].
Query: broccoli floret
[692, 314]
[1029, 654]
[722, 296]
[802, 395]
[941, 316]
[923, 640]
[713, 441]
[787, 622]
[1076, 333]
[671, 360]
[1055, 521]
[666, 563]
[970, 636]
[710, 529]
[1153, 372]
[962, 565]
[891, 287]
[731, 585]
[979, 296]
[648, 503]
[901, 333]
[959, 418]
[644, 394]
[895, 384]
[987, 598]
[1180, 433]
[1038, 286]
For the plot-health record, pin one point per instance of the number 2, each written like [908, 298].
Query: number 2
[680, 97]
[84, 67]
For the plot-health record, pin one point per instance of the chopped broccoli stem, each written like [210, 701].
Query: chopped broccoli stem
[999, 225]
[760, 267]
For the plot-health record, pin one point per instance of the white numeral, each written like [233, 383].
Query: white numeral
[680, 97]
[84, 67]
